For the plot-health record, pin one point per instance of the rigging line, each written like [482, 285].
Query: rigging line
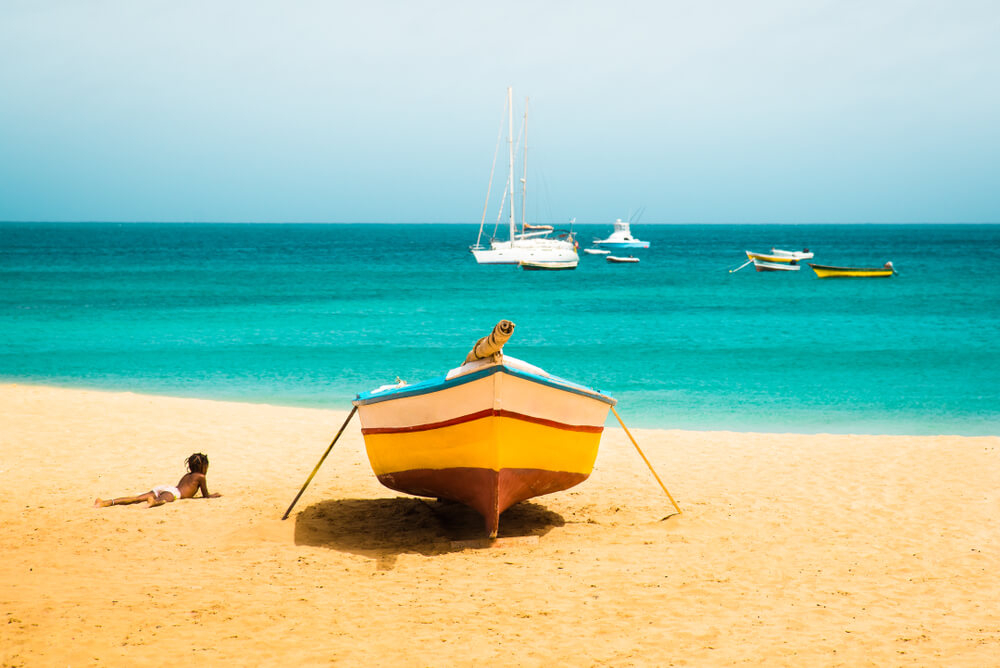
[524, 177]
[508, 185]
[733, 271]
[503, 202]
[517, 150]
[545, 193]
[489, 187]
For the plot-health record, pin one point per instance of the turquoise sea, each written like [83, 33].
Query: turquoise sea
[309, 315]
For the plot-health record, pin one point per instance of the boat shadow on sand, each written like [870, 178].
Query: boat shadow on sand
[385, 528]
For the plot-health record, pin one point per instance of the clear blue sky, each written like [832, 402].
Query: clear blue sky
[388, 111]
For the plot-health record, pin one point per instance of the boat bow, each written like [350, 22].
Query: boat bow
[489, 433]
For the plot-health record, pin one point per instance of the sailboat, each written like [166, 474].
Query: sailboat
[533, 243]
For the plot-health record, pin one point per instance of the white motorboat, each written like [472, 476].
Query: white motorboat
[534, 243]
[621, 238]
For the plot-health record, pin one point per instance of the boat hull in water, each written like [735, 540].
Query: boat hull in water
[548, 266]
[825, 271]
[767, 257]
[489, 434]
[526, 250]
[761, 265]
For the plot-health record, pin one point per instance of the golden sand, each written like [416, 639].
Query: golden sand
[792, 550]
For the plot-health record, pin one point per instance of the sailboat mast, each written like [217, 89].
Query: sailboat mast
[510, 150]
[489, 186]
[524, 179]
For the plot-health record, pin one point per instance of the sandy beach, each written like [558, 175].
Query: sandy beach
[799, 550]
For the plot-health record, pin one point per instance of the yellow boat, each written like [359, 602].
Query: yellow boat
[771, 257]
[824, 271]
[490, 433]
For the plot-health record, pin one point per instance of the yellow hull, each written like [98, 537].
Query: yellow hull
[490, 436]
[769, 258]
[491, 442]
[850, 272]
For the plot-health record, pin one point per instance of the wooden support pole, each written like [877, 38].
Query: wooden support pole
[664, 487]
[354, 410]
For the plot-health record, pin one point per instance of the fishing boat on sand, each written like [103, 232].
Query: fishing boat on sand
[824, 271]
[489, 433]
[620, 259]
[762, 265]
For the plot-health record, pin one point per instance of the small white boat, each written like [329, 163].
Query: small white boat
[615, 258]
[596, 251]
[621, 238]
[548, 266]
[804, 254]
[764, 265]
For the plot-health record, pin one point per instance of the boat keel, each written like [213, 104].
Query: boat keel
[486, 491]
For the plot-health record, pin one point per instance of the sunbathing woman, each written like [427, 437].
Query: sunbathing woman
[188, 486]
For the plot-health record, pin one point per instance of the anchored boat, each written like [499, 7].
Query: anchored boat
[776, 260]
[769, 257]
[824, 271]
[548, 266]
[618, 258]
[489, 433]
[621, 237]
[761, 265]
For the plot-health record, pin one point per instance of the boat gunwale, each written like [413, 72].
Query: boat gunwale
[443, 382]
[828, 267]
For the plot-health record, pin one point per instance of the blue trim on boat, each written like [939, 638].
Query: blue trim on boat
[442, 382]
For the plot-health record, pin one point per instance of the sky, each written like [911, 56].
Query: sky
[376, 111]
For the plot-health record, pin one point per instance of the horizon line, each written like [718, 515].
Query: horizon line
[341, 222]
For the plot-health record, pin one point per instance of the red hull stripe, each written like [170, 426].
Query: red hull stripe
[489, 412]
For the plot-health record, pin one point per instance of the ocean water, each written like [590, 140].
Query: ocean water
[309, 315]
